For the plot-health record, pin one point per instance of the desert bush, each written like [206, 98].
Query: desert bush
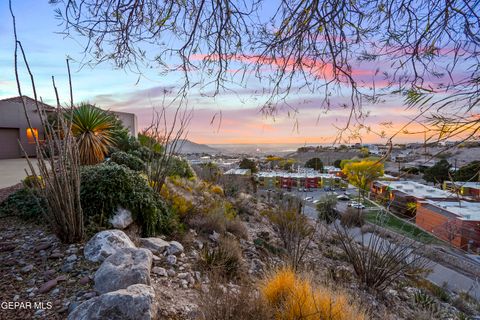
[217, 190]
[295, 232]
[295, 298]
[25, 203]
[236, 227]
[378, 262]
[224, 260]
[208, 223]
[219, 303]
[352, 218]
[32, 181]
[326, 209]
[105, 187]
[131, 161]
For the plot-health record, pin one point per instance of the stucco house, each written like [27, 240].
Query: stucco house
[14, 127]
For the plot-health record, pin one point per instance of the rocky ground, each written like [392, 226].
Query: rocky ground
[143, 278]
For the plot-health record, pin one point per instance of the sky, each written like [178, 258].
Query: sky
[121, 90]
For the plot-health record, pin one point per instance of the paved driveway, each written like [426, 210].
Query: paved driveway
[12, 171]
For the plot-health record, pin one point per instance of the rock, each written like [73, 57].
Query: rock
[85, 280]
[90, 295]
[68, 267]
[214, 236]
[6, 246]
[156, 245]
[184, 283]
[182, 275]
[43, 246]
[27, 268]
[121, 219]
[137, 302]
[55, 291]
[61, 278]
[72, 258]
[56, 255]
[198, 244]
[106, 243]
[125, 267]
[175, 247]
[47, 286]
[171, 273]
[159, 271]
[171, 259]
[48, 274]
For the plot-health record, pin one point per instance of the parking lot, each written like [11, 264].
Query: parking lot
[317, 194]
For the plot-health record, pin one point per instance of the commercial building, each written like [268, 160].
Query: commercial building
[457, 222]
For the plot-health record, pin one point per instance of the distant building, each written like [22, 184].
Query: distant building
[457, 222]
[288, 180]
[469, 189]
[239, 172]
[402, 196]
[14, 128]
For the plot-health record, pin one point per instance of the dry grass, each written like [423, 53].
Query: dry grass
[221, 303]
[236, 227]
[295, 298]
[225, 259]
[352, 218]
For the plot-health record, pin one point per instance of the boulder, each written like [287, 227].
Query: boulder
[156, 245]
[137, 302]
[121, 219]
[175, 247]
[125, 267]
[106, 243]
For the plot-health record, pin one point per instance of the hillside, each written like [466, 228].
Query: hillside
[187, 146]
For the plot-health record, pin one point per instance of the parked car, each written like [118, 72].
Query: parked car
[352, 203]
[343, 197]
[358, 206]
[343, 189]
[315, 201]
[308, 198]
[326, 189]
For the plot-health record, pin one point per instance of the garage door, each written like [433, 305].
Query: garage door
[9, 147]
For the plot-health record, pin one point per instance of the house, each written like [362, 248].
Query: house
[402, 196]
[457, 222]
[469, 189]
[15, 130]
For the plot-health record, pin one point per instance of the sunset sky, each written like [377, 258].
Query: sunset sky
[242, 121]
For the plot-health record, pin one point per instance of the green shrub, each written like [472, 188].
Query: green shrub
[106, 186]
[131, 161]
[179, 167]
[25, 203]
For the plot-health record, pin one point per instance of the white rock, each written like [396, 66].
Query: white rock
[125, 267]
[171, 259]
[106, 243]
[156, 245]
[137, 302]
[175, 247]
[121, 219]
[160, 271]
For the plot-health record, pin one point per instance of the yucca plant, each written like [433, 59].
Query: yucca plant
[94, 130]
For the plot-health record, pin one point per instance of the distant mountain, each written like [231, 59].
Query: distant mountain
[187, 146]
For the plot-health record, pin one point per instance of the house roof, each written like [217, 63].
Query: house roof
[19, 100]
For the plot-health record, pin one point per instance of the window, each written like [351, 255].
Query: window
[32, 134]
